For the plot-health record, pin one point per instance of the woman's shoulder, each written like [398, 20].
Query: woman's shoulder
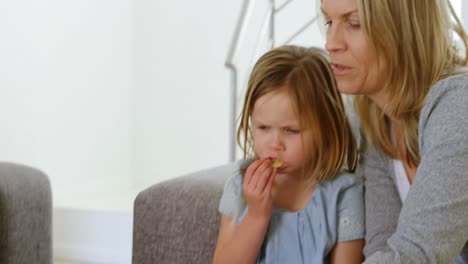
[445, 111]
[448, 88]
[448, 92]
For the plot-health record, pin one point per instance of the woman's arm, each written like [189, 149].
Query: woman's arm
[348, 252]
[382, 202]
[433, 225]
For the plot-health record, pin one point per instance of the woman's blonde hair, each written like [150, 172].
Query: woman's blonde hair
[416, 39]
[307, 77]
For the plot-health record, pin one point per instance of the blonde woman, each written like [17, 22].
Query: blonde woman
[294, 203]
[404, 60]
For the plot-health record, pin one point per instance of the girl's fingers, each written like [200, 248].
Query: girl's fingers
[251, 171]
[256, 179]
[264, 178]
[269, 184]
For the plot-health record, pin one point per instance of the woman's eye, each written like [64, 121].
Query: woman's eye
[354, 24]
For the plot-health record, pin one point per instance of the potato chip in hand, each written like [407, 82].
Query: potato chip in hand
[276, 164]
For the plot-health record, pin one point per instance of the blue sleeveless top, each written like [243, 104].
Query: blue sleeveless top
[335, 213]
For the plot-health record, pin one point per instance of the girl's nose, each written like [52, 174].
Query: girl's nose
[276, 141]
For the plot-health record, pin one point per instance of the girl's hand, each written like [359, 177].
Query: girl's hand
[258, 182]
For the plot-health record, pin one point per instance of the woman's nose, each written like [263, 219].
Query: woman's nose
[335, 39]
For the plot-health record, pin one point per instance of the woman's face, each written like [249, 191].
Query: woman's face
[352, 56]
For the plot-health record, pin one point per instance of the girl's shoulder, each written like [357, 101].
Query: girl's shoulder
[342, 198]
[345, 185]
[233, 182]
[232, 200]
[342, 181]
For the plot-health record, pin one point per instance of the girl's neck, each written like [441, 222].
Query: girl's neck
[289, 179]
[291, 193]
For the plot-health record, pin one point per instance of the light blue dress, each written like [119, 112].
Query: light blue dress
[335, 213]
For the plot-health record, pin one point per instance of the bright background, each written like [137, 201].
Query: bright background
[110, 96]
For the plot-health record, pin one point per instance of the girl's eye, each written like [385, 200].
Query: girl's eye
[262, 127]
[293, 130]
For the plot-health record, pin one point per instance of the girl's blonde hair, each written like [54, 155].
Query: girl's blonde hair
[308, 78]
[416, 39]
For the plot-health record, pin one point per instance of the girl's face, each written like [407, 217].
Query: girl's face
[277, 133]
[353, 59]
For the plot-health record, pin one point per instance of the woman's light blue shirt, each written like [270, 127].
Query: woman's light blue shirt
[335, 213]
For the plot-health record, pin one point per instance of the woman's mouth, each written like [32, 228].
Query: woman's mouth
[339, 69]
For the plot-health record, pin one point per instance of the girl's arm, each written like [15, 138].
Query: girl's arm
[350, 222]
[242, 243]
[239, 244]
[348, 252]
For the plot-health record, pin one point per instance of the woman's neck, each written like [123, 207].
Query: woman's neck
[381, 99]
[402, 150]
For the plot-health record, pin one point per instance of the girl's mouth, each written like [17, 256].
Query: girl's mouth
[278, 164]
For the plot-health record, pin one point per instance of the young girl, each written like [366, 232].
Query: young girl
[294, 202]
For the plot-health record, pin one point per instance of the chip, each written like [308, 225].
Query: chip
[276, 164]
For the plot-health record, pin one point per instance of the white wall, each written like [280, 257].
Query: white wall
[181, 93]
[464, 12]
[109, 95]
[65, 74]
[114, 94]
[181, 86]
[90, 236]
[69, 94]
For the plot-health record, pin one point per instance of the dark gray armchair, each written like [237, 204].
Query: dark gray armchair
[176, 221]
[25, 215]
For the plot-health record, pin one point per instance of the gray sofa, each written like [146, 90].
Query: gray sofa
[25, 215]
[177, 221]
